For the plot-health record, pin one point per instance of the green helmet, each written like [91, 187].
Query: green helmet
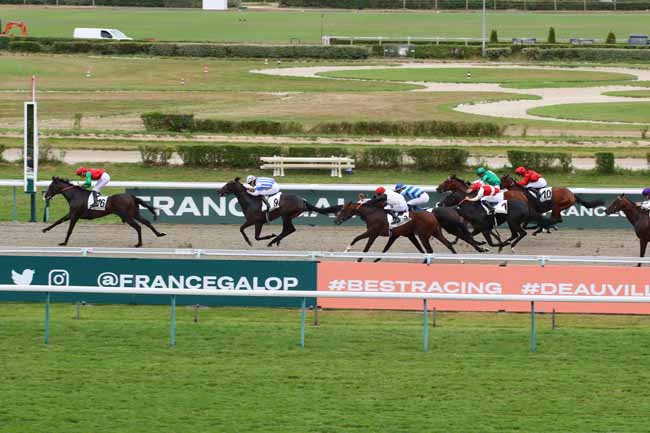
[480, 171]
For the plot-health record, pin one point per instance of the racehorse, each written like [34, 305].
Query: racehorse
[289, 207]
[422, 225]
[126, 206]
[453, 184]
[518, 216]
[561, 199]
[639, 219]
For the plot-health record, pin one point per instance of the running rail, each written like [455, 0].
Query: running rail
[542, 260]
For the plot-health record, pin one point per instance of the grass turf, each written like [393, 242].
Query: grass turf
[630, 93]
[280, 26]
[633, 112]
[510, 77]
[241, 370]
[623, 179]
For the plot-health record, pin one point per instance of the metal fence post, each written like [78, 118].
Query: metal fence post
[14, 208]
[47, 317]
[302, 322]
[172, 336]
[426, 325]
[532, 326]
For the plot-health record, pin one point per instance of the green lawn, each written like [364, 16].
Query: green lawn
[520, 78]
[242, 370]
[133, 172]
[281, 26]
[630, 93]
[637, 112]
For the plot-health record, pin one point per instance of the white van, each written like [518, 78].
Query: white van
[84, 33]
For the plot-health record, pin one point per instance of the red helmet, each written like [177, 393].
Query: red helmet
[521, 170]
[475, 186]
[380, 190]
[80, 171]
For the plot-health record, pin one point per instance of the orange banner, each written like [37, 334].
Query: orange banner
[587, 281]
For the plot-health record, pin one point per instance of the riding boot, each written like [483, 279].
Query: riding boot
[95, 198]
[268, 208]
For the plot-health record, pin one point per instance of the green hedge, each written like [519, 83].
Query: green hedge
[438, 158]
[155, 154]
[605, 162]
[446, 51]
[265, 127]
[554, 161]
[25, 46]
[317, 152]
[430, 128]
[379, 157]
[575, 5]
[498, 53]
[168, 122]
[587, 54]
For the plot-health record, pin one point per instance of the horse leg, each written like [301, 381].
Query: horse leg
[519, 233]
[415, 242]
[355, 240]
[643, 243]
[59, 221]
[287, 229]
[241, 230]
[438, 235]
[371, 240]
[73, 221]
[130, 221]
[391, 241]
[258, 230]
[149, 225]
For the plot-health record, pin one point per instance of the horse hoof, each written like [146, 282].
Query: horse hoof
[63, 244]
[44, 230]
[503, 264]
[137, 245]
[160, 235]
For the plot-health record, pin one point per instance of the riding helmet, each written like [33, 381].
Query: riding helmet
[380, 190]
[80, 171]
[520, 170]
[646, 191]
[250, 178]
[399, 186]
[480, 171]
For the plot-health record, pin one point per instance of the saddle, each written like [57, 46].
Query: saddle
[274, 202]
[102, 201]
[398, 220]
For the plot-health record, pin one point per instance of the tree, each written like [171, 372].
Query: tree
[551, 35]
[611, 38]
[494, 39]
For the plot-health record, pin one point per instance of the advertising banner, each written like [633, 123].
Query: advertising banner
[201, 206]
[213, 275]
[587, 281]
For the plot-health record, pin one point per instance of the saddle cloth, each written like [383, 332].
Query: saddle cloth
[396, 222]
[545, 194]
[499, 208]
[102, 200]
[274, 201]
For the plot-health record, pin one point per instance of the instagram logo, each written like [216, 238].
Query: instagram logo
[58, 277]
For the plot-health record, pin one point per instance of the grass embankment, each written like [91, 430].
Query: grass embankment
[508, 77]
[241, 369]
[132, 172]
[631, 112]
[283, 25]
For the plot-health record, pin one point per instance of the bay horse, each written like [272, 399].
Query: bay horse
[422, 225]
[126, 206]
[638, 218]
[289, 207]
[455, 184]
[562, 198]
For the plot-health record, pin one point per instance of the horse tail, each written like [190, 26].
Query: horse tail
[322, 210]
[589, 204]
[147, 206]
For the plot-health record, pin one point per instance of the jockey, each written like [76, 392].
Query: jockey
[262, 187]
[91, 174]
[414, 196]
[395, 203]
[491, 195]
[488, 177]
[531, 180]
[645, 205]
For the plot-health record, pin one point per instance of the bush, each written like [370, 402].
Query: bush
[317, 152]
[4, 43]
[557, 161]
[430, 128]
[2, 151]
[379, 157]
[162, 50]
[25, 46]
[498, 53]
[611, 38]
[446, 52]
[200, 155]
[551, 36]
[588, 54]
[605, 162]
[494, 38]
[231, 156]
[262, 127]
[168, 122]
[438, 158]
[155, 155]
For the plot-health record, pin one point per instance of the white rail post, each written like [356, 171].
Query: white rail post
[302, 322]
[532, 327]
[47, 317]
[426, 325]
[172, 333]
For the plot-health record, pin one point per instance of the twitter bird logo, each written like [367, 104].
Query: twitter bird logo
[24, 279]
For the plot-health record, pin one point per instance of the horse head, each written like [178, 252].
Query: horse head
[619, 203]
[506, 181]
[57, 186]
[347, 211]
[231, 187]
[452, 199]
[452, 183]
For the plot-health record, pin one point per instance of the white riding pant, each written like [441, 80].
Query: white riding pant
[270, 191]
[496, 198]
[419, 201]
[541, 183]
[101, 182]
[645, 205]
[397, 207]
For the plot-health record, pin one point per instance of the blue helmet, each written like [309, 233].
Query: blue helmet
[399, 186]
[646, 191]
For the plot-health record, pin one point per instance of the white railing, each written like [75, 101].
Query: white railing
[292, 186]
[336, 164]
[304, 294]
[542, 260]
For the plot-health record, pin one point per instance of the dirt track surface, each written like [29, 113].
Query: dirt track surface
[331, 238]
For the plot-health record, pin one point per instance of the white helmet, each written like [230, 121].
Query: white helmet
[250, 178]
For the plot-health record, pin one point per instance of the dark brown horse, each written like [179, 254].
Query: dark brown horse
[289, 207]
[638, 218]
[454, 184]
[422, 225]
[562, 198]
[126, 206]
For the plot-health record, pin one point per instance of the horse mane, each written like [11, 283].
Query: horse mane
[60, 179]
[453, 176]
[237, 179]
